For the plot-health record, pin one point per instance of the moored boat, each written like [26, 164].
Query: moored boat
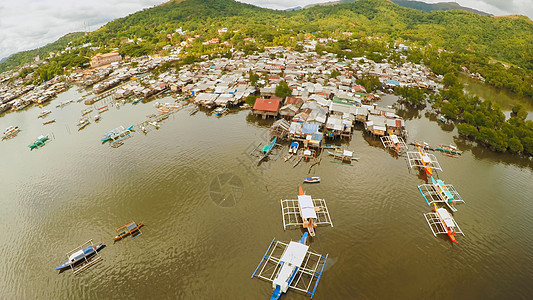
[343, 155]
[426, 162]
[443, 193]
[80, 255]
[39, 142]
[84, 121]
[220, 111]
[307, 211]
[49, 122]
[130, 228]
[44, 113]
[449, 149]
[293, 148]
[313, 179]
[10, 132]
[448, 222]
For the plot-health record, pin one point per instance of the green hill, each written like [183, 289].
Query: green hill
[468, 39]
[427, 7]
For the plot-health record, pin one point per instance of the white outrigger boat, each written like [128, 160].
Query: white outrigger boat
[44, 113]
[84, 121]
[441, 222]
[397, 144]
[344, 156]
[306, 212]
[437, 191]
[10, 132]
[424, 161]
[291, 266]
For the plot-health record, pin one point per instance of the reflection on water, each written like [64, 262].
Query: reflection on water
[75, 189]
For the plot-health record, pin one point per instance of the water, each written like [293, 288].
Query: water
[505, 99]
[75, 189]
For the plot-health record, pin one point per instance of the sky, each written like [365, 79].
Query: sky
[29, 24]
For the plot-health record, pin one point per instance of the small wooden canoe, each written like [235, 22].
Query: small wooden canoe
[314, 179]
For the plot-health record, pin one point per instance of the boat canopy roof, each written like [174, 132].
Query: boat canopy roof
[394, 139]
[446, 217]
[425, 159]
[131, 225]
[347, 153]
[294, 254]
[307, 208]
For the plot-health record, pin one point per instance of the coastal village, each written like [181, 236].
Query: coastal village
[324, 107]
[324, 92]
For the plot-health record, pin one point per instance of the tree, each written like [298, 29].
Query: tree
[467, 130]
[253, 77]
[515, 145]
[283, 90]
[449, 80]
[250, 99]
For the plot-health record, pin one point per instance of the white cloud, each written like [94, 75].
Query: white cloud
[29, 24]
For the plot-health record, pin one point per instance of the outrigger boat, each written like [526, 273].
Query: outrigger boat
[220, 111]
[313, 179]
[64, 103]
[305, 212]
[103, 108]
[81, 255]
[449, 149]
[267, 149]
[424, 161]
[84, 121]
[397, 144]
[117, 133]
[86, 111]
[293, 148]
[39, 142]
[343, 155]
[437, 191]
[44, 113]
[296, 267]
[424, 145]
[10, 132]
[127, 229]
[441, 221]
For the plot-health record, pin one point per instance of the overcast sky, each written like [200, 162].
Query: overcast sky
[29, 24]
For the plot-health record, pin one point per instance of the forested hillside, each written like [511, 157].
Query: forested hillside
[499, 48]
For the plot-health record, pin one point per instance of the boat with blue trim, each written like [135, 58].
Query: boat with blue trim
[80, 255]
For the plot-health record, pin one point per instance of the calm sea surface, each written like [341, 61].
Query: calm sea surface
[198, 245]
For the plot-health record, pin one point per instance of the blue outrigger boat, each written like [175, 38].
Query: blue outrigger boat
[297, 268]
[80, 255]
[438, 192]
[117, 133]
[265, 151]
[39, 142]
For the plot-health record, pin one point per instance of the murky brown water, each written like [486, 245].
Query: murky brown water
[75, 189]
[505, 99]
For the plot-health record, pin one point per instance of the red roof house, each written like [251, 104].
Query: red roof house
[266, 107]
